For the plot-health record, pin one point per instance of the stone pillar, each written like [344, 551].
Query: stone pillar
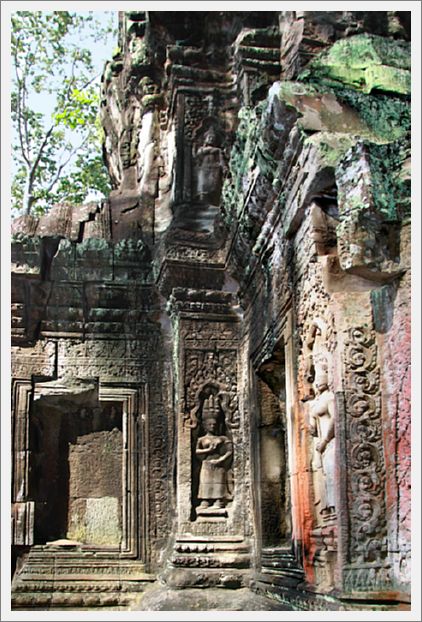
[211, 540]
[26, 362]
[363, 561]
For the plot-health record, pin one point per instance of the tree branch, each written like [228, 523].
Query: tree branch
[63, 164]
[20, 99]
[40, 152]
[89, 82]
[71, 80]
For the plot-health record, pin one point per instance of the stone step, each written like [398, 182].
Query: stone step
[280, 561]
[71, 600]
[60, 578]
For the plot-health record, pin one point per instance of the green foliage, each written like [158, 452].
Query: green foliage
[53, 65]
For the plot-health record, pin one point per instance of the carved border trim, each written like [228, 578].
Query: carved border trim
[135, 507]
[21, 507]
[365, 549]
[22, 399]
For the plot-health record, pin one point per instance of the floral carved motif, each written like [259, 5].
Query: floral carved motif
[367, 549]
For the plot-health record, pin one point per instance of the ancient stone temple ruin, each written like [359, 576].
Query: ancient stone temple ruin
[211, 368]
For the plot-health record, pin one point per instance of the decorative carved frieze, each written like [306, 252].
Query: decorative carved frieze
[109, 360]
[216, 371]
[39, 360]
[248, 222]
[208, 303]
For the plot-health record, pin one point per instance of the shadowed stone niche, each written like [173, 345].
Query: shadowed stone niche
[274, 481]
[279, 558]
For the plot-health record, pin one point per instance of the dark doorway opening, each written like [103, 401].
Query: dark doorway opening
[76, 455]
[275, 499]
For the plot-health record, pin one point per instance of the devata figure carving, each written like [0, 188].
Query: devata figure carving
[215, 451]
[321, 426]
[209, 165]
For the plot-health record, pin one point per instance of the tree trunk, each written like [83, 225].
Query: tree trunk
[28, 197]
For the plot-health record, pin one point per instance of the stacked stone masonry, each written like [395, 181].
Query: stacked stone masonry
[211, 368]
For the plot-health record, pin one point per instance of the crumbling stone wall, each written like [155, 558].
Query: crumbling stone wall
[244, 295]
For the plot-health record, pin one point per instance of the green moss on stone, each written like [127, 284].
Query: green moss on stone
[391, 190]
[139, 53]
[289, 90]
[387, 117]
[149, 101]
[364, 62]
[331, 146]
[130, 247]
[261, 53]
[242, 159]
[92, 244]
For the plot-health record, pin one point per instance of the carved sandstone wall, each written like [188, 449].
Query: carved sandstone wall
[241, 304]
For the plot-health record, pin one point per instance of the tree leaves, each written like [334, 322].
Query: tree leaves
[52, 65]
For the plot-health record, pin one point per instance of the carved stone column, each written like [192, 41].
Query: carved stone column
[26, 362]
[211, 544]
[364, 565]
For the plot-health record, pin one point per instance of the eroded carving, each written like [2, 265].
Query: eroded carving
[209, 166]
[219, 370]
[214, 451]
[187, 273]
[322, 428]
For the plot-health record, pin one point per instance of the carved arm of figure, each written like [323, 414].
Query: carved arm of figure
[228, 453]
[313, 429]
[202, 450]
[320, 406]
[321, 446]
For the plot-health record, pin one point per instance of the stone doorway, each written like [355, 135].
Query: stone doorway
[84, 477]
[279, 560]
[76, 471]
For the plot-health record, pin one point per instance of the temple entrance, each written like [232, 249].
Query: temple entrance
[86, 476]
[76, 471]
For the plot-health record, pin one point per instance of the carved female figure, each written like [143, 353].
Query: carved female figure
[322, 426]
[215, 452]
[209, 169]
